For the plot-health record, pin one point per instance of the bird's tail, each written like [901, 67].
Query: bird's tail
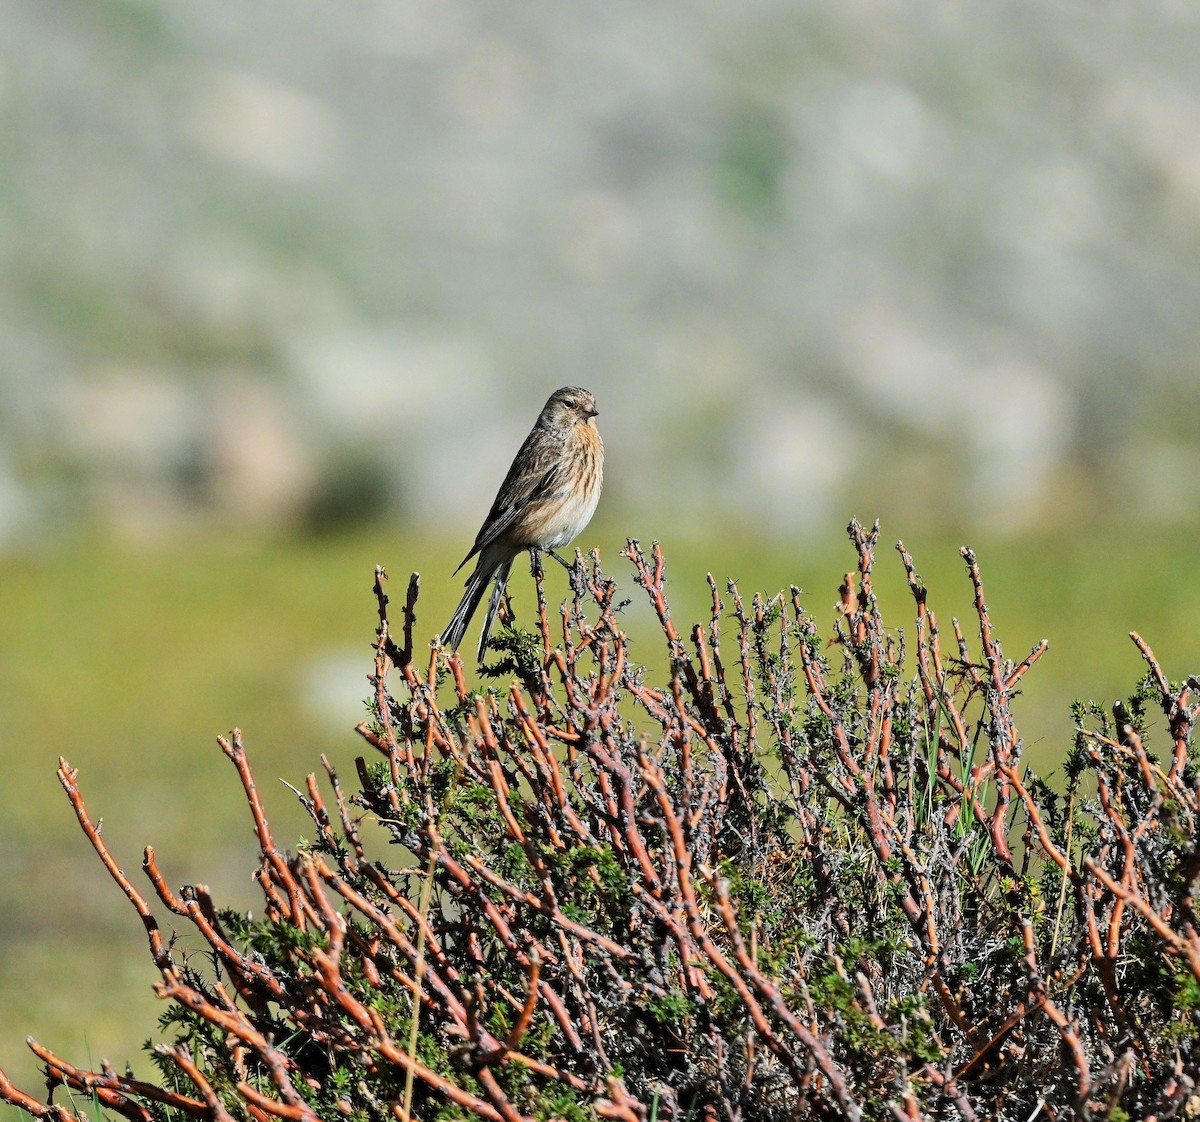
[477, 584]
[493, 605]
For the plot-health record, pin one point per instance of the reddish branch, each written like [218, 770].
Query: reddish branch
[653, 896]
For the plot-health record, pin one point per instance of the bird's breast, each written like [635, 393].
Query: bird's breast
[561, 517]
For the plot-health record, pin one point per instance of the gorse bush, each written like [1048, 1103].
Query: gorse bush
[805, 874]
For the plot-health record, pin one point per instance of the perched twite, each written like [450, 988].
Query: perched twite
[547, 498]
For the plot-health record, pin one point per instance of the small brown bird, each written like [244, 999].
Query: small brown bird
[547, 498]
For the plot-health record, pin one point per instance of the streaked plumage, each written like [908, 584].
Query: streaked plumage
[547, 498]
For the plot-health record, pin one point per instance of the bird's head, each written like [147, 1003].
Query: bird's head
[569, 406]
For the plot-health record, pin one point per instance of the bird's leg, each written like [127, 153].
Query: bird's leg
[565, 564]
[535, 563]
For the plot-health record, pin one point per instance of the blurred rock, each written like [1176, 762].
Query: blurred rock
[264, 124]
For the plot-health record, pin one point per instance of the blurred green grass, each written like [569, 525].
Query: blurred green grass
[129, 661]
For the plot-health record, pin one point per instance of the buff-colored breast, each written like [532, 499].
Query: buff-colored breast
[554, 521]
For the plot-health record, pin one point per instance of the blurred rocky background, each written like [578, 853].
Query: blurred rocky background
[287, 263]
[282, 286]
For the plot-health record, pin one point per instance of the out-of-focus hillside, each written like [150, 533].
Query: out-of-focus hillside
[289, 262]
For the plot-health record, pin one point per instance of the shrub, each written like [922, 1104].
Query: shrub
[796, 877]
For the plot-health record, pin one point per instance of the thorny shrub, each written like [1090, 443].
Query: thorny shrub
[800, 877]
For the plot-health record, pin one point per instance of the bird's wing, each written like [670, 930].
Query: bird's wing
[516, 492]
